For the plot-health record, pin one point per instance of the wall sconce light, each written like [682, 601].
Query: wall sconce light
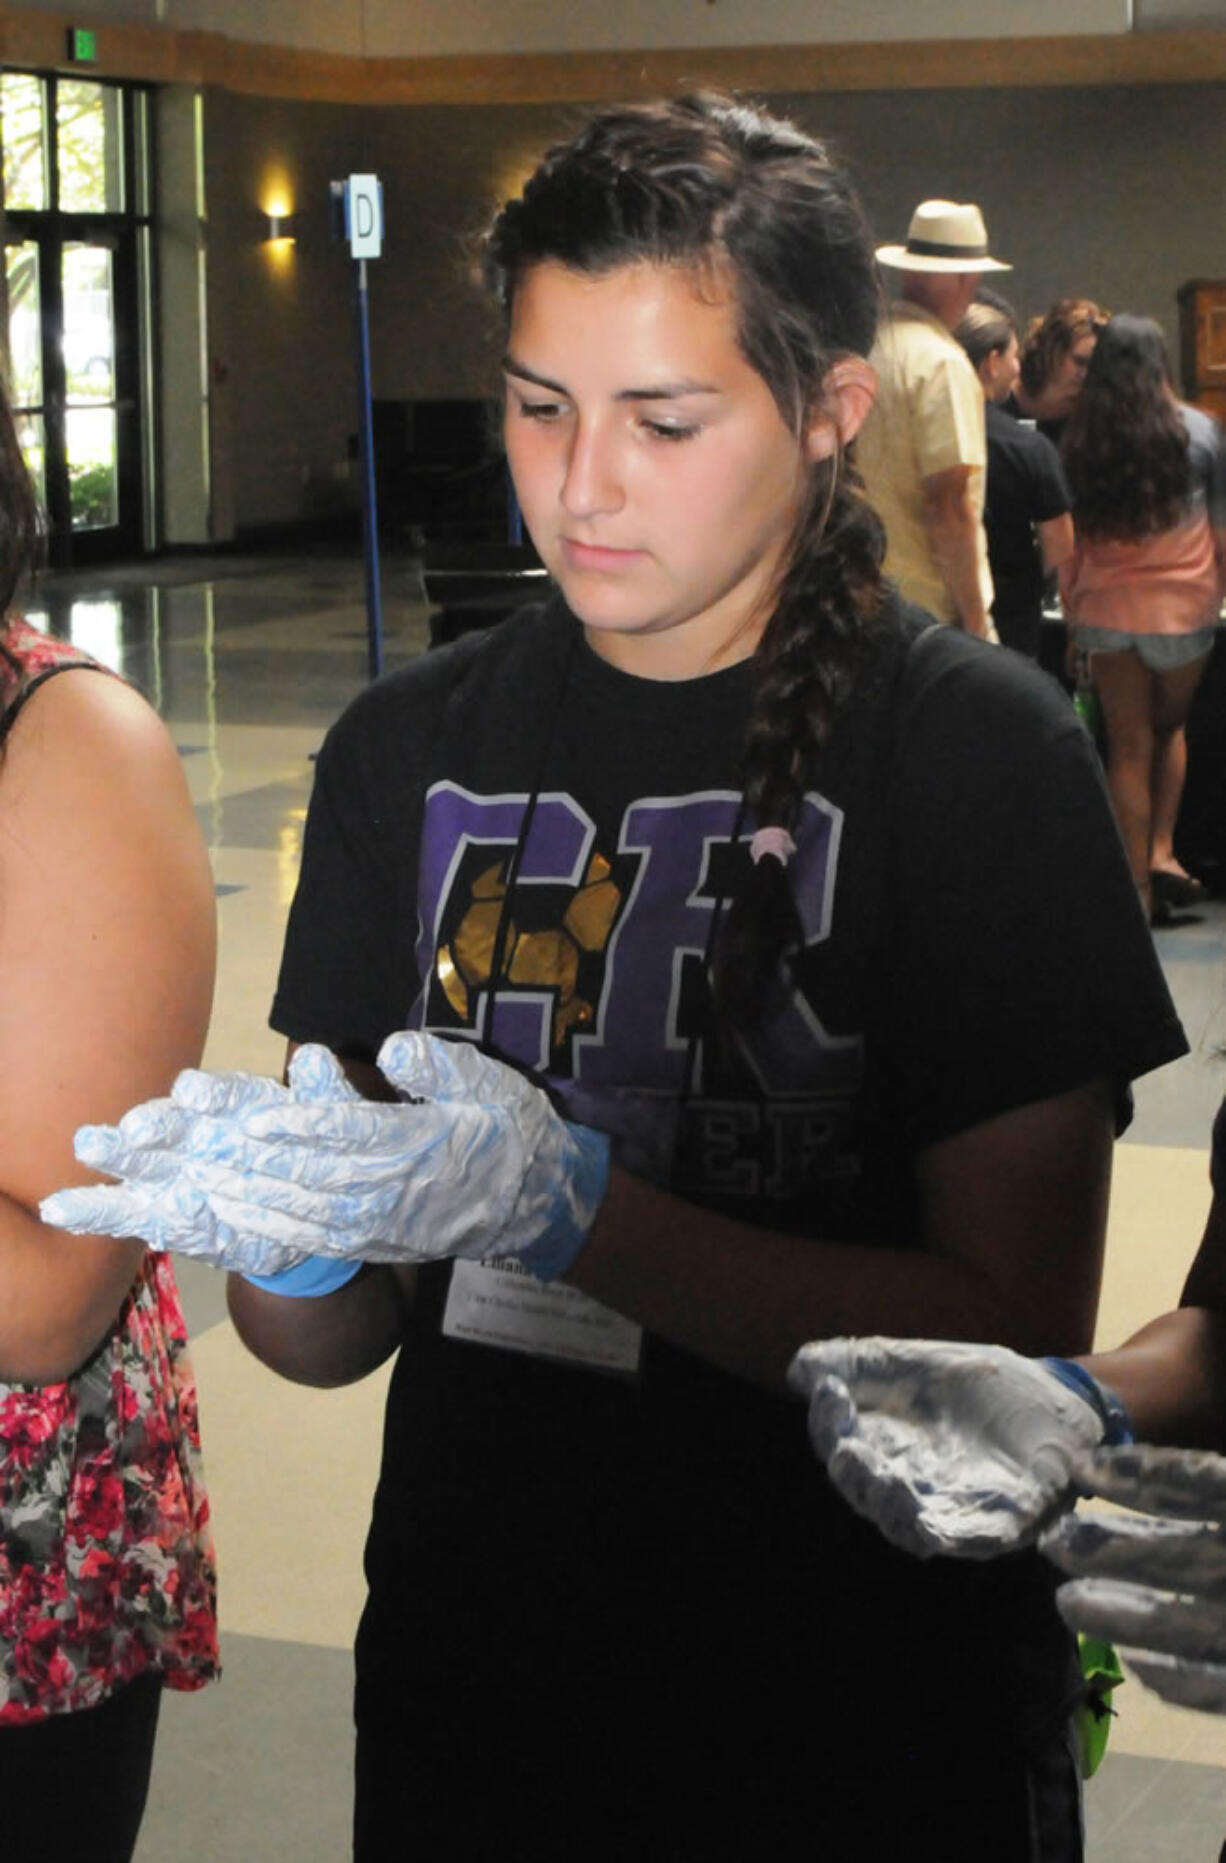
[280, 226]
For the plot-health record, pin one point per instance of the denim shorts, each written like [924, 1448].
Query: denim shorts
[1161, 653]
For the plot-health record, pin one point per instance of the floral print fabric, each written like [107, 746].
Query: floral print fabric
[106, 1557]
[35, 651]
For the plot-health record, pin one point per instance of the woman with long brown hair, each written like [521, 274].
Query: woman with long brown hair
[1143, 588]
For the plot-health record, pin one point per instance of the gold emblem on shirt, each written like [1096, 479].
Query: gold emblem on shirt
[544, 959]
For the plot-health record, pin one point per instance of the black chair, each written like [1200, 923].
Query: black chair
[441, 471]
[471, 586]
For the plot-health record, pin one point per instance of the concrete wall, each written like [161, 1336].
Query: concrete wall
[283, 384]
[282, 357]
[1114, 192]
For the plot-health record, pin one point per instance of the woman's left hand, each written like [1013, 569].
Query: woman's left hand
[961, 1450]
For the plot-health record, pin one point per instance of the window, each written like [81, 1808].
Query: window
[77, 241]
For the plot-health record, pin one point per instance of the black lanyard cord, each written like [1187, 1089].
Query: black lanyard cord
[511, 880]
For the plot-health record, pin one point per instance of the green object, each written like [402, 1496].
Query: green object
[1085, 704]
[1100, 1667]
[82, 46]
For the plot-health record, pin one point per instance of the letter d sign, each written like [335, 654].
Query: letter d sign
[364, 216]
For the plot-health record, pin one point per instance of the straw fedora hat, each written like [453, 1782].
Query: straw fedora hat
[944, 236]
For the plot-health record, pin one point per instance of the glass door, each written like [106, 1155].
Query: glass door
[73, 270]
[25, 340]
[100, 438]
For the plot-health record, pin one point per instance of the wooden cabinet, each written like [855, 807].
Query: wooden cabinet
[1202, 344]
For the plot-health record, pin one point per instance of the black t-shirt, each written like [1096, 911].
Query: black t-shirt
[668, 1547]
[1025, 487]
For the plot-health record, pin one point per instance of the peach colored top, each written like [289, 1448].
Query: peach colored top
[1170, 583]
[1165, 584]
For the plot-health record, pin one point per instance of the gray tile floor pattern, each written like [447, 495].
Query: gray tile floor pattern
[1155, 1811]
[254, 818]
[1176, 1105]
[259, 1767]
[230, 1784]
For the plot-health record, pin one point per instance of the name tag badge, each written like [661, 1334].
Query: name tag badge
[498, 1303]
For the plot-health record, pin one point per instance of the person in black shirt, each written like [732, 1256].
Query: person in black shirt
[1026, 511]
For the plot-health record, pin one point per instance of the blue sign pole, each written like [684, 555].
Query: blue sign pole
[370, 508]
[357, 215]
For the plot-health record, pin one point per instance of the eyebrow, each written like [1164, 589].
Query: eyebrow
[659, 391]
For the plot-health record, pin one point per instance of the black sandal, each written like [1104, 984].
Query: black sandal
[1176, 891]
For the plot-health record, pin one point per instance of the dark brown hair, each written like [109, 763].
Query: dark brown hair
[1049, 339]
[1125, 447]
[751, 201]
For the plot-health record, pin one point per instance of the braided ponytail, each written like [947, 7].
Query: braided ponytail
[806, 667]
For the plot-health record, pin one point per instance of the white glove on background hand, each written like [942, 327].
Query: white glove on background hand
[1152, 1582]
[248, 1175]
[947, 1448]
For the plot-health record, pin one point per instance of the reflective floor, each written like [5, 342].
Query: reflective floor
[248, 659]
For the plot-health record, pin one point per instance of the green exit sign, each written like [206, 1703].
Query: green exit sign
[82, 46]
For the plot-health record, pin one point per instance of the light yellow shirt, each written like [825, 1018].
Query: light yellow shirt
[928, 417]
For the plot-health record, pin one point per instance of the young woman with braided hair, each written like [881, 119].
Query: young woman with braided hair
[812, 924]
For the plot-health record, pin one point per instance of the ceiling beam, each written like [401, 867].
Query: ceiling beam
[161, 55]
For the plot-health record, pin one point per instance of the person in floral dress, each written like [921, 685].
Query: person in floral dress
[107, 1587]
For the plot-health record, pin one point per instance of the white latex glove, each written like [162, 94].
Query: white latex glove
[1153, 1581]
[247, 1175]
[947, 1448]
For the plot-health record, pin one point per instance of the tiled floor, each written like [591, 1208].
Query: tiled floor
[248, 659]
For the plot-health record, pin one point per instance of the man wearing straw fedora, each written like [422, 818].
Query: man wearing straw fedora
[922, 450]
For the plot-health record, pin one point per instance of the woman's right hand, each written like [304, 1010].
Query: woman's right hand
[1153, 1580]
[249, 1175]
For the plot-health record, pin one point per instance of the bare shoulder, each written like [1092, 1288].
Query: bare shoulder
[89, 769]
[85, 713]
[107, 921]
[97, 829]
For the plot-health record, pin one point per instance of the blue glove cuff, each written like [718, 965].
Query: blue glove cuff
[1117, 1424]
[574, 1212]
[307, 1280]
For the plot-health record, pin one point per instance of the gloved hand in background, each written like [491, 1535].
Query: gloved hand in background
[246, 1174]
[1152, 1581]
[949, 1448]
